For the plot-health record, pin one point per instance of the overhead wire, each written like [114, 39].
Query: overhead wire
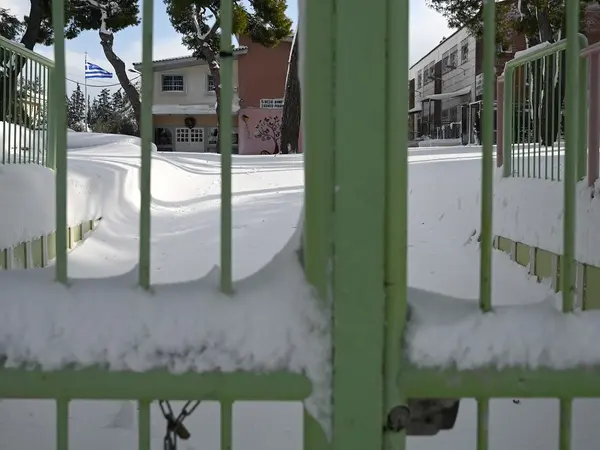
[102, 85]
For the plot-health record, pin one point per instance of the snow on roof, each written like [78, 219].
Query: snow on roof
[448, 95]
[238, 50]
[416, 109]
[189, 109]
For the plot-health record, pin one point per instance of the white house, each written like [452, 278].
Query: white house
[184, 104]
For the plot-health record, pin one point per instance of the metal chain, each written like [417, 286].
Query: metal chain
[175, 427]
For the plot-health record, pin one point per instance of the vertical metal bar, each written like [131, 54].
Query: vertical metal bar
[62, 422]
[5, 99]
[545, 119]
[30, 105]
[359, 319]
[552, 99]
[19, 119]
[59, 111]
[316, 29]
[396, 208]
[49, 138]
[594, 119]
[144, 425]
[146, 135]
[226, 424]
[528, 117]
[11, 105]
[520, 159]
[538, 116]
[567, 273]
[582, 142]
[225, 145]
[565, 422]
[487, 162]
[483, 408]
[500, 124]
[41, 98]
[509, 112]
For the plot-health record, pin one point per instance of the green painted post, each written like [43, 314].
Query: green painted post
[396, 210]
[144, 434]
[49, 142]
[582, 141]
[146, 135]
[358, 288]
[572, 129]
[62, 423]
[487, 161]
[59, 110]
[316, 29]
[509, 113]
[225, 145]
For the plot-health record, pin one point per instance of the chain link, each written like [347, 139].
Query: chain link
[175, 427]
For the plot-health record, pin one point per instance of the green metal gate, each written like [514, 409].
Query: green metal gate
[354, 244]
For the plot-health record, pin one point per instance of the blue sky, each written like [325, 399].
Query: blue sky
[426, 29]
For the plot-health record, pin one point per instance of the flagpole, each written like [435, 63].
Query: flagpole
[85, 94]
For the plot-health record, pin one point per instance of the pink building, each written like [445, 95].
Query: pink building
[262, 74]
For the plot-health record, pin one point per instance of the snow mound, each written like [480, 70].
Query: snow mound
[277, 325]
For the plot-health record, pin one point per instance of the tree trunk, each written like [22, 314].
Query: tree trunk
[34, 23]
[554, 92]
[107, 40]
[215, 71]
[290, 122]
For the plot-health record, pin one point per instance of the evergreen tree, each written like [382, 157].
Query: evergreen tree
[76, 110]
[106, 16]
[198, 21]
[102, 112]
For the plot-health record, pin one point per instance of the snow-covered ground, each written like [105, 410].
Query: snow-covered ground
[443, 257]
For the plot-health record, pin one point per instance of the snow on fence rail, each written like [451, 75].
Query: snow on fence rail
[24, 91]
[351, 264]
[531, 113]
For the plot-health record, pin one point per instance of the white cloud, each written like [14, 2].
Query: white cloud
[129, 52]
[17, 7]
[426, 28]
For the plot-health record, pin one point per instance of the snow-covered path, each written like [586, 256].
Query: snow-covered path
[443, 256]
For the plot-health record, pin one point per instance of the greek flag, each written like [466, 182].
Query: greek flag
[94, 71]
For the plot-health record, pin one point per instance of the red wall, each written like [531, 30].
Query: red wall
[262, 71]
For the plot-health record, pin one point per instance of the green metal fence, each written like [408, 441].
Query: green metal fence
[25, 94]
[351, 196]
[534, 93]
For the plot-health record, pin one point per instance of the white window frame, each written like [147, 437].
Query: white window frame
[210, 80]
[453, 57]
[464, 56]
[426, 79]
[182, 135]
[271, 103]
[172, 91]
[197, 135]
[445, 61]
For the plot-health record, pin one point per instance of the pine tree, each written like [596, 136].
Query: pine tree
[265, 21]
[105, 16]
[76, 110]
[102, 112]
